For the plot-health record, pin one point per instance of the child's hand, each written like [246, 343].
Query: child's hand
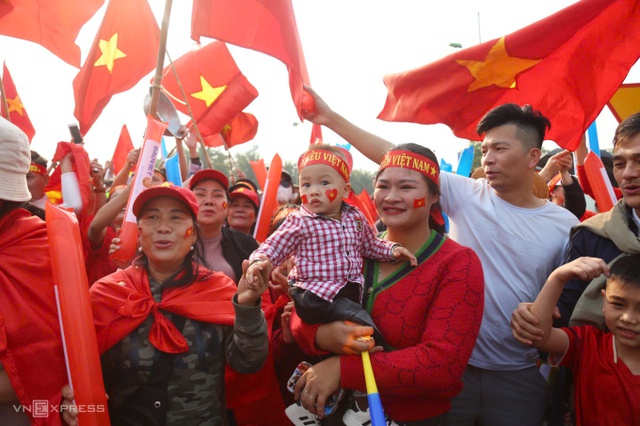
[401, 253]
[583, 268]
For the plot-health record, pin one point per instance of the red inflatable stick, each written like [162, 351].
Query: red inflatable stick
[600, 183]
[141, 181]
[269, 199]
[76, 317]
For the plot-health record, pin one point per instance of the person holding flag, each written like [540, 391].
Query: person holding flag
[520, 240]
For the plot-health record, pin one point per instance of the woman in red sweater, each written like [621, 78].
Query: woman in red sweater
[429, 315]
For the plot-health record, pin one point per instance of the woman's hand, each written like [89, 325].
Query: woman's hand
[68, 408]
[279, 283]
[317, 384]
[320, 114]
[249, 291]
[341, 337]
[285, 320]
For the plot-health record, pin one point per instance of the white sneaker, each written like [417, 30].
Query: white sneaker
[299, 416]
[355, 417]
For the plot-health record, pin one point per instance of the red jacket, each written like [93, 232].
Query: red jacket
[30, 342]
[430, 316]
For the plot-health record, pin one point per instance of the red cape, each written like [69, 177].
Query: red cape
[30, 342]
[122, 301]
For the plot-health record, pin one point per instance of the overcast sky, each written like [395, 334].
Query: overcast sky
[349, 46]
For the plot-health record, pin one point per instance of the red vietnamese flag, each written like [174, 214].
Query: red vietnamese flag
[17, 113]
[122, 150]
[123, 52]
[53, 24]
[268, 26]
[215, 88]
[567, 66]
[242, 128]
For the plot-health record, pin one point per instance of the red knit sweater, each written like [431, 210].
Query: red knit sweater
[431, 315]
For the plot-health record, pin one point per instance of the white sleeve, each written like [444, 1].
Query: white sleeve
[71, 195]
[455, 190]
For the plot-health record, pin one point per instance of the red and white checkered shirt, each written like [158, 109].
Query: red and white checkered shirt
[328, 252]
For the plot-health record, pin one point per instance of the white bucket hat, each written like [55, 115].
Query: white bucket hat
[15, 158]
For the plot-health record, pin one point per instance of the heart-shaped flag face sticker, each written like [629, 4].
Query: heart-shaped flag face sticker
[304, 199]
[189, 232]
[331, 193]
[225, 204]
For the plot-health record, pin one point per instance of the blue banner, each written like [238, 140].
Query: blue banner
[465, 161]
[172, 165]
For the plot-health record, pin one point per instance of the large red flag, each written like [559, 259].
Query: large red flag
[124, 51]
[268, 26]
[567, 65]
[54, 24]
[122, 150]
[17, 112]
[242, 128]
[214, 86]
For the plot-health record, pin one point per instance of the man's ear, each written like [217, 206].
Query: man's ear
[534, 157]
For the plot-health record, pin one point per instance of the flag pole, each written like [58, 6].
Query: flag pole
[190, 111]
[4, 101]
[157, 78]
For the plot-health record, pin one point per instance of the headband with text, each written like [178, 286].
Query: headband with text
[410, 160]
[37, 169]
[328, 158]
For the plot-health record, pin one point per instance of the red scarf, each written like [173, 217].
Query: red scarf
[30, 343]
[122, 301]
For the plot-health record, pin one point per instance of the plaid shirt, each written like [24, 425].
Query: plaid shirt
[328, 252]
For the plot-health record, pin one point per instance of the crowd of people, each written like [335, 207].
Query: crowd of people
[207, 326]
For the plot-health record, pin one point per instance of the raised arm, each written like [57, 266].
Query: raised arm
[370, 145]
[554, 340]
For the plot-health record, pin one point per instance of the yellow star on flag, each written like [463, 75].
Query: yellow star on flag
[208, 94]
[497, 68]
[15, 105]
[110, 53]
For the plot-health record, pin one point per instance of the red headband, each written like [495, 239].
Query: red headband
[411, 160]
[37, 169]
[328, 158]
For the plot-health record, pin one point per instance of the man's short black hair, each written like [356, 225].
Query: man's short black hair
[531, 124]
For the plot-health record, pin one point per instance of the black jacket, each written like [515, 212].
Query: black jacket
[236, 247]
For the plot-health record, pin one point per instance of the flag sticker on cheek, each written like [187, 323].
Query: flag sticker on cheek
[189, 232]
[304, 199]
[331, 194]
[419, 202]
[225, 204]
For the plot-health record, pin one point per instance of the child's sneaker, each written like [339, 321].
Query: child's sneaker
[299, 416]
[355, 417]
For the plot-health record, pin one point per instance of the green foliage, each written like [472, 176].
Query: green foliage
[362, 179]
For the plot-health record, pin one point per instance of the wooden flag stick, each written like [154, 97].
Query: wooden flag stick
[4, 101]
[157, 78]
